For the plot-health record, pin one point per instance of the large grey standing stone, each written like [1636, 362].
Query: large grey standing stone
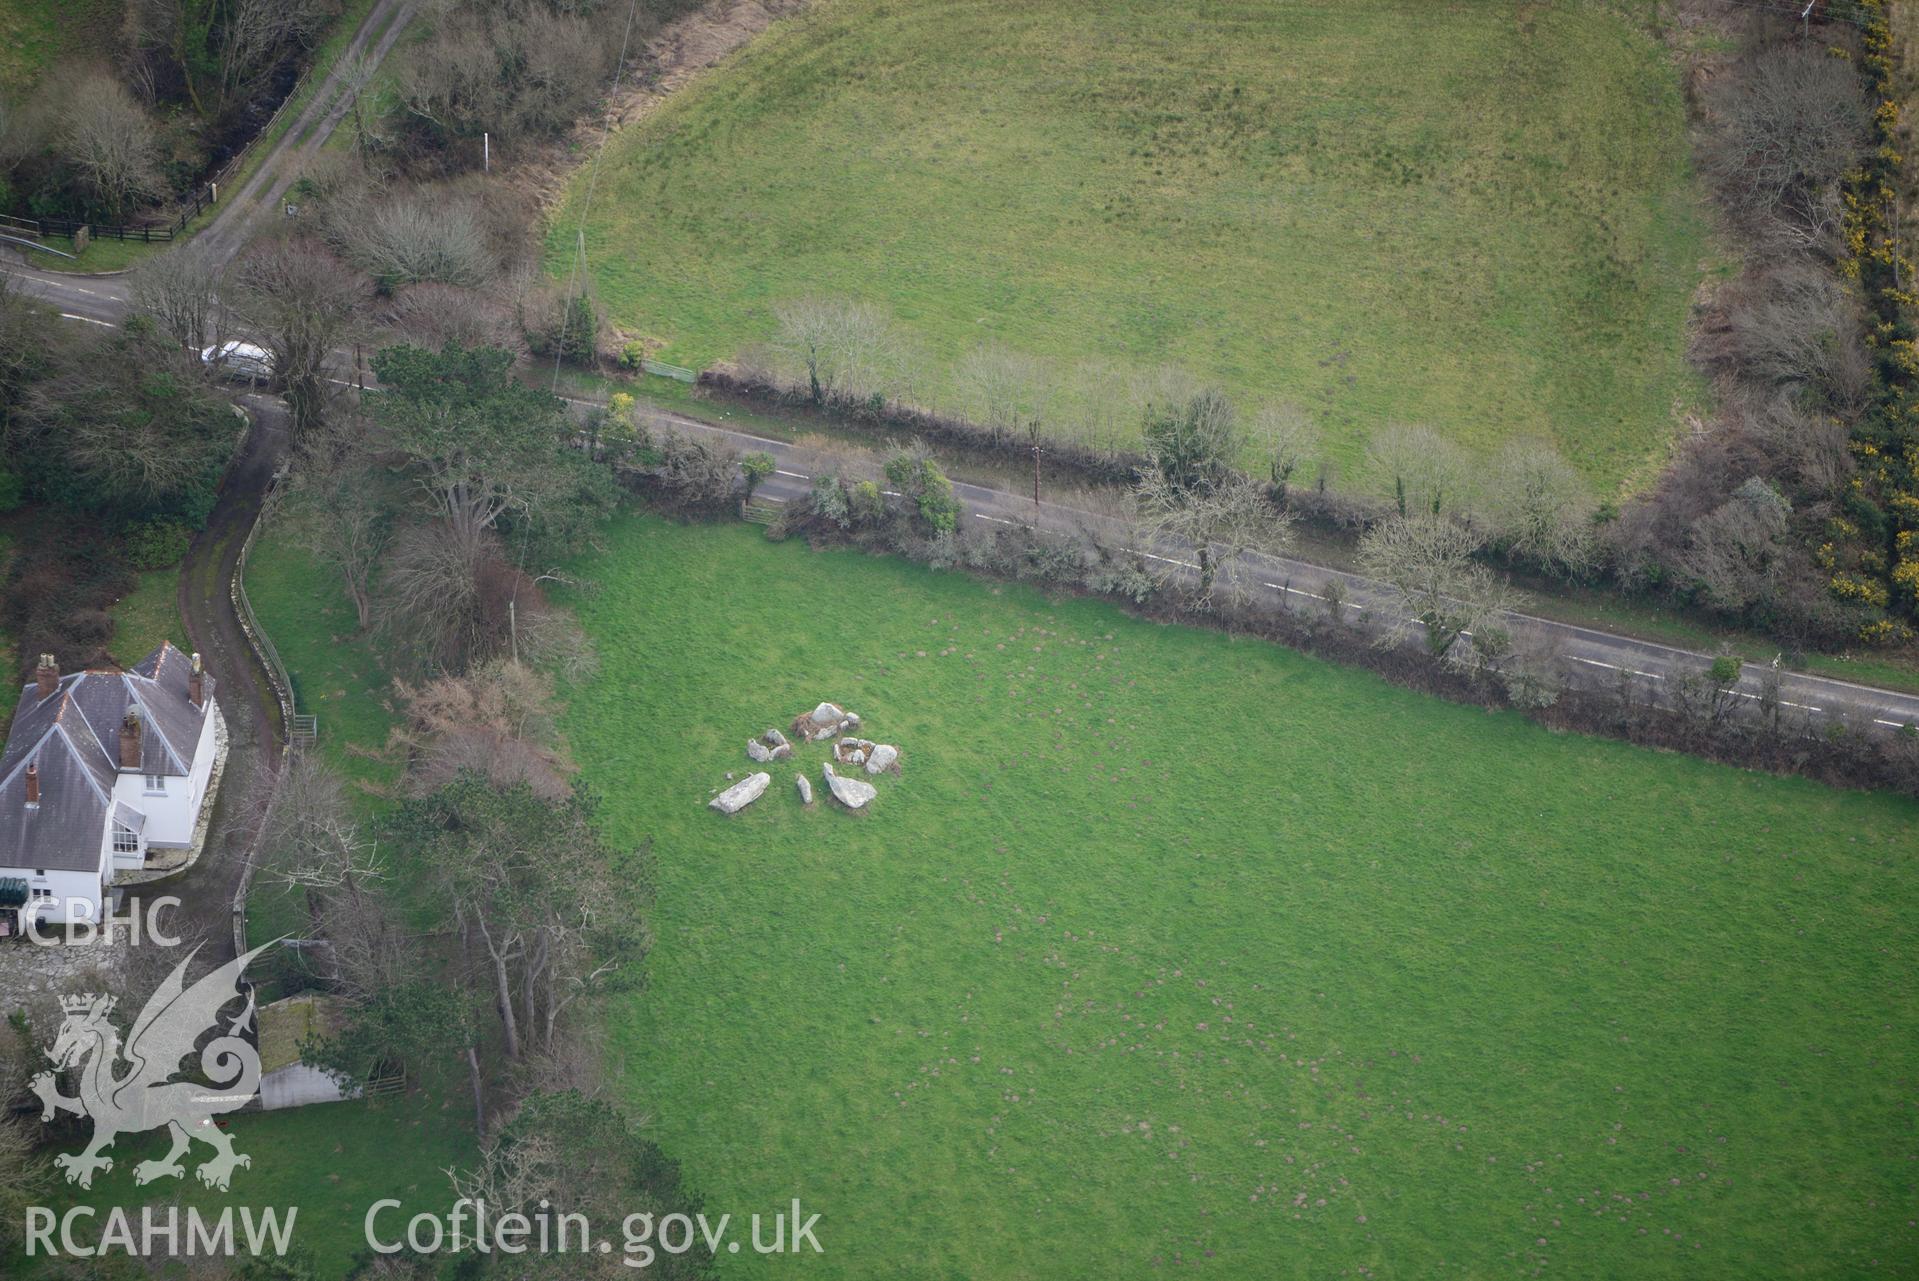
[850, 792]
[773, 738]
[826, 714]
[806, 788]
[881, 758]
[741, 794]
[780, 753]
[758, 751]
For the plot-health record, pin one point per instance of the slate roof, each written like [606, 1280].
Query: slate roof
[73, 736]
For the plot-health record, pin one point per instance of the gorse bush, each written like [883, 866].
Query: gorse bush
[925, 489]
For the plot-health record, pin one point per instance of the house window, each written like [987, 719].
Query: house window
[124, 840]
[41, 891]
[156, 785]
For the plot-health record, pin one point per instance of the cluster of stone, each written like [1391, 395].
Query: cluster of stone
[827, 721]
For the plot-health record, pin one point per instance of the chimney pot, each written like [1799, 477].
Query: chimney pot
[47, 675]
[130, 740]
[33, 784]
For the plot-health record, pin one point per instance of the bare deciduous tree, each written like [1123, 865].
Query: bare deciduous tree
[1813, 445]
[356, 71]
[24, 1177]
[111, 143]
[1431, 563]
[1216, 522]
[1737, 552]
[1421, 471]
[522, 70]
[304, 300]
[693, 474]
[529, 886]
[434, 592]
[1540, 507]
[310, 841]
[1797, 329]
[405, 240]
[495, 722]
[180, 290]
[1004, 391]
[1288, 437]
[434, 315]
[1792, 121]
[846, 351]
[343, 513]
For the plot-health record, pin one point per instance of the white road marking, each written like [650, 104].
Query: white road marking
[1296, 591]
[1614, 667]
[88, 320]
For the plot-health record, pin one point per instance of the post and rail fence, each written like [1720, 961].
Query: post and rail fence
[198, 203]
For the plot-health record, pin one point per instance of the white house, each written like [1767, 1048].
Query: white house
[103, 770]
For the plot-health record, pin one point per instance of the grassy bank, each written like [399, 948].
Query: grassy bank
[37, 34]
[1168, 948]
[1474, 216]
[147, 615]
[337, 678]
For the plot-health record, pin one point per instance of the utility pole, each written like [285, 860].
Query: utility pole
[1805, 19]
[1036, 453]
[486, 152]
[513, 629]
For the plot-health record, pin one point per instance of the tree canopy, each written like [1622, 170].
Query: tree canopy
[488, 451]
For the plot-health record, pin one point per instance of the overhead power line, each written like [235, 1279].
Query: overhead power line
[577, 276]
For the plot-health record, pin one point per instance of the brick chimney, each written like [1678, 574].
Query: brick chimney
[130, 740]
[47, 675]
[197, 683]
[33, 786]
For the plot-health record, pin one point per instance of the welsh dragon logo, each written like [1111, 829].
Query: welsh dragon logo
[144, 1097]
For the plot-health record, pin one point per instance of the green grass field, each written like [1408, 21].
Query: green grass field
[147, 615]
[1477, 216]
[312, 623]
[331, 1161]
[35, 34]
[1169, 948]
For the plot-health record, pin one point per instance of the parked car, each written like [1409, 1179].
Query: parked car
[236, 359]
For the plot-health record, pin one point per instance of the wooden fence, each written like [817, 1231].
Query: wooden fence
[197, 204]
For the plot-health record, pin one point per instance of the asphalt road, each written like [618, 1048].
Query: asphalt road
[263, 195]
[1588, 657]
